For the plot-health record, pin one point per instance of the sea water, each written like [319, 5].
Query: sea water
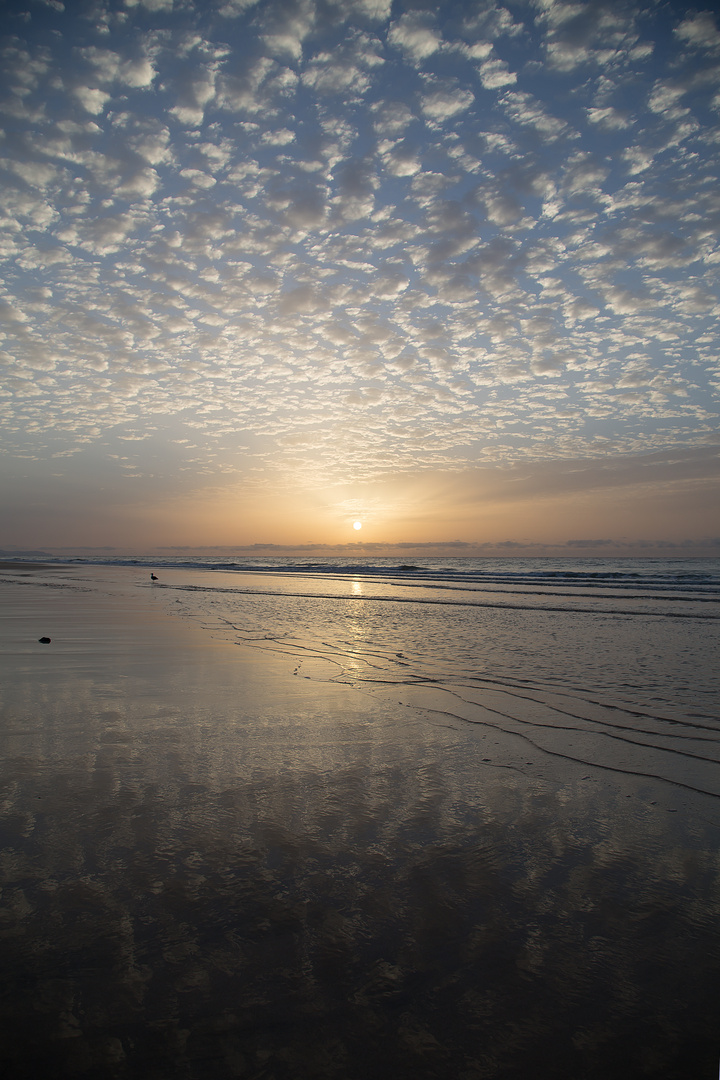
[478, 839]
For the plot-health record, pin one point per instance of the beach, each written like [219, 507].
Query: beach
[332, 827]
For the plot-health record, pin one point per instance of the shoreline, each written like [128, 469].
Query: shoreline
[296, 668]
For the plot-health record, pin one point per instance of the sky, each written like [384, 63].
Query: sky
[272, 267]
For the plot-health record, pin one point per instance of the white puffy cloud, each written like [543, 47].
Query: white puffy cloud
[151, 141]
[609, 117]
[198, 178]
[329, 76]
[288, 27]
[140, 184]
[492, 21]
[376, 9]
[36, 174]
[109, 66]
[91, 99]
[231, 9]
[524, 109]
[400, 158]
[665, 97]
[639, 158]
[496, 73]
[391, 117]
[101, 236]
[416, 35]
[479, 50]
[23, 68]
[281, 137]
[700, 30]
[195, 89]
[583, 172]
[444, 102]
[10, 312]
[151, 5]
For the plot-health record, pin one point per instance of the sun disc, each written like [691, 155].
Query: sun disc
[357, 524]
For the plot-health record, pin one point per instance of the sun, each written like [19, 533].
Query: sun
[357, 524]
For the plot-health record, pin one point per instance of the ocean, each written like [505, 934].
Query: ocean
[291, 819]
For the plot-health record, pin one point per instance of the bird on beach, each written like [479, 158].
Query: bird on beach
[153, 578]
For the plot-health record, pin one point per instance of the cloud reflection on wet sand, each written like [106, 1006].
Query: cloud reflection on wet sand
[213, 870]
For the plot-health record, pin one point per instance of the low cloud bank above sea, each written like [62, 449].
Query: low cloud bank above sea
[597, 548]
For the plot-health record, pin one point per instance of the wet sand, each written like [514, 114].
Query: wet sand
[214, 868]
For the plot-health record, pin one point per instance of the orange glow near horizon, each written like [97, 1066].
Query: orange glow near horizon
[518, 509]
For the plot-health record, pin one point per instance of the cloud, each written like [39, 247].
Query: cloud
[700, 30]
[151, 5]
[355, 181]
[665, 97]
[527, 111]
[10, 312]
[496, 73]
[492, 21]
[288, 27]
[194, 89]
[91, 99]
[102, 236]
[333, 77]
[415, 34]
[281, 137]
[445, 102]
[378, 10]
[391, 117]
[600, 32]
[198, 178]
[609, 117]
[150, 141]
[231, 9]
[263, 81]
[400, 158]
[303, 300]
[109, 66]
[140, 184]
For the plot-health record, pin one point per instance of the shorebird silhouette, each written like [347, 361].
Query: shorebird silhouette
[153, 578]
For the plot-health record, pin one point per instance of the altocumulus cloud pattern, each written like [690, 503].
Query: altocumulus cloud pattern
[336, 238]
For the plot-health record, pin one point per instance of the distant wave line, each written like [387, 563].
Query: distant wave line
[712, 598]
[674, 574]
